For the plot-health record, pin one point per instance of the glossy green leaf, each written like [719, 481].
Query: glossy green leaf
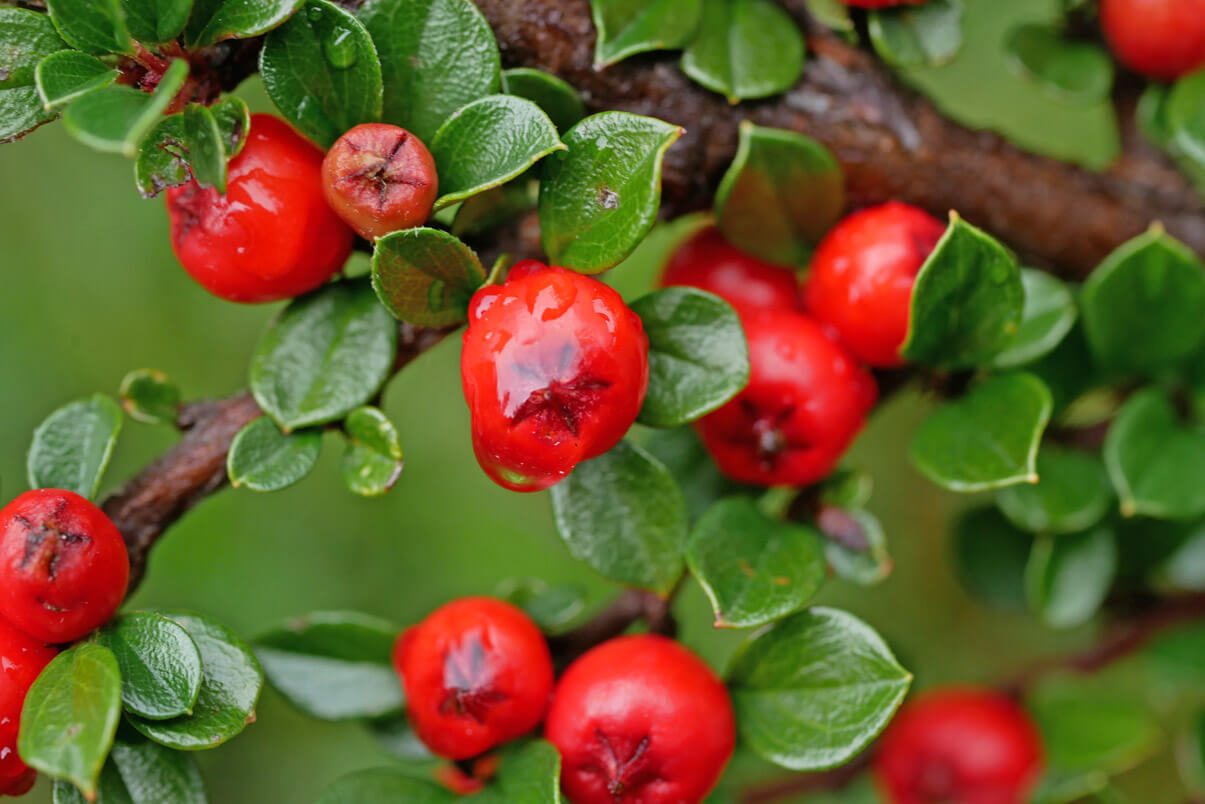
[326, 355]
[551, 607]
[1184, 99]
[833, 14]
[494, 208]
[860, 555]
[1154, 460]
[1184, 566]
[815, 689]
[1087, 730]
[628, 27]
[142, 772]
[988, 438]
[599, 199]
[623, 514]
[159, 662]
[529, 774]
[372, 460]
[1069, 576]
[990, 556]
[26, 38]
[1070, 70]
[164, 157]
[1178, 655]
[206, 148]
[425, 276]
[150, 396]
[214, 20]
[928, 34]
[117, 119]
[681, 451]
[1048, 315]
[1072, 493]
[153, 22]
[396, 736]
[93, 26]
[262, 458]
[234, 120]
[72, 447]
[729, 53]
[69, 74]
[781, 194]
[559, 100]
[385, 786]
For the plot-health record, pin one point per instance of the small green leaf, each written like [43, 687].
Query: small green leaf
[1083, 730]
[990, 555]
[262, 458]
[628, 27]
[988, 438]
[117, 119]
[557, 98]
[623, 514]
[1184, 567]
[163, 158]
[1178, 655]
[385, 786]
[833, 14]
[1048, 315]
[396, 736]
[494, 208]
[214, 20]
[1072, 493]
[1069, 576]
[159, 662]
[234, 120]
[26, 38]
[154, 22]
[72, 447]
[929, 34]
[425, 276]
[729, 53]
[93, 26]
[372, 461]
[551, 607]
[206, 149]
[69, 74]
[1069, 70]
[684, 455]
[142, 772]
[868, 563]
[150, 396]
[529, 774]
[1154, 461]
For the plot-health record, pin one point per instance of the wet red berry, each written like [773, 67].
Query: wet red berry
[640, 720]
[380, 179]
[477, 673]
[21, 660]
[272, 235]
[1163, 39]
[959, 744]
[708, 262]
[63, 565]
[861, 277]
[555, 369]
[806, 400]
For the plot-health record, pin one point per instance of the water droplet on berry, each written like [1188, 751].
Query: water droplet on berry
[340, 48]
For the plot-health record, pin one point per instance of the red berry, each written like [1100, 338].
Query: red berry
[1163, 39]
[806, 400]
[861, 277]
[272, 236]
[380, 178]
[555, 368]
[63, 565]
[883, 3]
[708, 262]
[959, 744]
[477, 673]
[641, 720]
[21, 660]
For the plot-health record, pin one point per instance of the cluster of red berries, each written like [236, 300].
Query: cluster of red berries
[637, 720]
[63, 573]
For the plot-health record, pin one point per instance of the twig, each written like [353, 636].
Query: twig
[628, 608]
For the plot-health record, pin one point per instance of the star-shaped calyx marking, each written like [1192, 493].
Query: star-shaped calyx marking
[766, 434]
[624, 774]
[381, 168]
[560, 405]
[48, 544]
[469, 689]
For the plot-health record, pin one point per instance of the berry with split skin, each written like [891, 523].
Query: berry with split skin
[1162, 39]
[22, 659]
[555, 368]
[641, 720]
[861, 278]
[709, 262]
[63, 565]
[380, 178]
[477, 673]
[806, 400]
[974, 746]
[272, 236]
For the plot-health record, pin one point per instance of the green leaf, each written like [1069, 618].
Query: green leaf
[321, 70]
[1070, 70]
[150, 396]
[1069, 576]
[231, 681]
[159, 662]
[990, 556]
[425, 276]
[929, 34]
[71, 715]
[214, 20]
[1184, 566]
[529, 774]
[988, 438]
[94, 26]
[628, 27]
[729, 53]
[599, 200]
[781, 194]
[1088, 730]
[698, 358]
[557, 98]
[234, 121]
[142, 772]
[26, 38]
[206, 149]
[754, 569]
[968, 300]
[326, 355]
[154, 22]
[72, 447]
[397, 738]
[684, 455]
[164, 156]
[1142, 305]
[384, 786]
[262, 458]
[1048, 315]
[436, 56]
[1178, 655]
[334, 665]
[494, 208]
[1072, 493]
[64, 76]
[372, 461]
[117, 119]
[623, 514]
[815, 689]
[1155, 461]
[833, 14]
[866, 564]
[551, 607]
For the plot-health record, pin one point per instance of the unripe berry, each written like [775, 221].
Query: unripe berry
[640, 720]
[272, 236]
[555, 368]
[1163, 39]
[959, 744]
[63, 565]
[806, 400]
[380, 178]
[22, 658]
[709, 262]
[861, 278]
[477, 673]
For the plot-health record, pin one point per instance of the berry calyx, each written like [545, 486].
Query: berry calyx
[709, 262]
[22, 659]
[380, 178]
[272, 236]
[1162, 39]
[806, 400]
[861, 278]
[477, 673]
[63, 565]
[555, 369]
[640, 720]
[959, 744]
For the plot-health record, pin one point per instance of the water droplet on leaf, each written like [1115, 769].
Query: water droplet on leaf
[340, 48]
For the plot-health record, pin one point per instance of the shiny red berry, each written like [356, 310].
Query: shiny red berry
[861, 277]
[272, 235]
[640, 720]
[63, 565]
[21, 660]
[959, 744]
[707, 261]
[477, 673]
[555, 368]
[806, 400]
[883, 3]
[1162, 39]
[380, 178]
